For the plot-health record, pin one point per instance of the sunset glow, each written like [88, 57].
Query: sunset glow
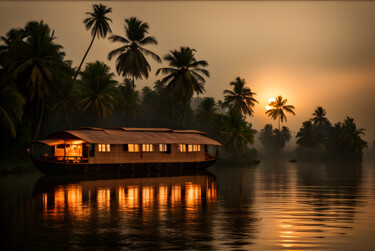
[270, 100]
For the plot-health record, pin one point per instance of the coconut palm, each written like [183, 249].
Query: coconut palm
[279, 108]
[11, 108]
[12, 37]
[131, 60]
[97, 90]
[274, 139]
[184, 75]
[36, 63]
[240, 99]
[99, 25]
[66, 100]
[238, 133]
[308, 137]
[206, 112]
[351, 136]
[128, 101]
[320, 119]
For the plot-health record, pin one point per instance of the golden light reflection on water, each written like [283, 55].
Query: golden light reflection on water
[145, 195]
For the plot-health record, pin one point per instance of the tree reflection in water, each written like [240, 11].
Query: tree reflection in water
[273, 206]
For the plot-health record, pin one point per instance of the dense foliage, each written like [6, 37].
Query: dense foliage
[40, 92]
[318, 138]
[274, 140]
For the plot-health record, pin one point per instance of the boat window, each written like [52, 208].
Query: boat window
[125, 147]
[104, 147]
[163, 147]
[190, 148]
[194, 148]
[147, 147]
[133, 147]
[182, 147]
[60, 146]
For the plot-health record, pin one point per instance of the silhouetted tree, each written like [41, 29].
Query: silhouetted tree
[36, 63]
[240, 99]
[65, 104]
[274, 140]
[128, 101]
[279, 108]
[206, 112]
[320, 119]
[99, 25]
[237, 133]
[11, 108]
[184, 75]
[307, 136]
[131, 60]
[97, 90]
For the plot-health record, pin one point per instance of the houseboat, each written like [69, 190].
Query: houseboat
[91, 149]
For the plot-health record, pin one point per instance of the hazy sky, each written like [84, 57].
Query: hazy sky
[312, 53]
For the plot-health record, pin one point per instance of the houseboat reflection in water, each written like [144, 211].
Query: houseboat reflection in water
[146, 196]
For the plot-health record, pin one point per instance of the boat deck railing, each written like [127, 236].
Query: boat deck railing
[65, 159]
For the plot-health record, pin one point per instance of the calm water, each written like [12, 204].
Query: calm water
[272, 206]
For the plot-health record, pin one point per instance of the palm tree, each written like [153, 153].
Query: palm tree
[278, 109]
[128, 101]
[11, 108]
[131, 60]
[320, 119]
[274, 139]
[66, 100]
[351, 136]
[206, 112]
[238, 133]
[184, 75]
[240, 99]
[12, 37]
[307, 136]
[97, 90]
[36, 63]
[98, 23]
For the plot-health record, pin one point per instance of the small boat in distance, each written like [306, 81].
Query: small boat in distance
[92, 149]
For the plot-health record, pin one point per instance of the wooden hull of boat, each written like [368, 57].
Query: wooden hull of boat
[57, 168]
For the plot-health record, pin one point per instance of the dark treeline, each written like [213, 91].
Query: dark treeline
[41, 92]
[319, 139]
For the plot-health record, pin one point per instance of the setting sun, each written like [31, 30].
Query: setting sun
[270, 100]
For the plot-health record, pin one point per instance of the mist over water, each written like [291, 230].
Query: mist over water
[275, 205]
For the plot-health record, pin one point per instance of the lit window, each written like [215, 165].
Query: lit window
[162, 147]
[194, 148]
[133, 147]
[182, 147]
[147, 147]
[190, 148]
[104, 147]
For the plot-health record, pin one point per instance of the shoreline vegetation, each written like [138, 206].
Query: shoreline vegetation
[41, 92]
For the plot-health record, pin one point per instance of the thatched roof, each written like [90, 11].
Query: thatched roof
[131, 136]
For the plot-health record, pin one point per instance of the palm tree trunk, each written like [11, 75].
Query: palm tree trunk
[133, 83]
[84, 57]
[39, 121]
[183, 114]
[279, 123]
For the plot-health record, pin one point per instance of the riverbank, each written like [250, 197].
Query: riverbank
[16, 165]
